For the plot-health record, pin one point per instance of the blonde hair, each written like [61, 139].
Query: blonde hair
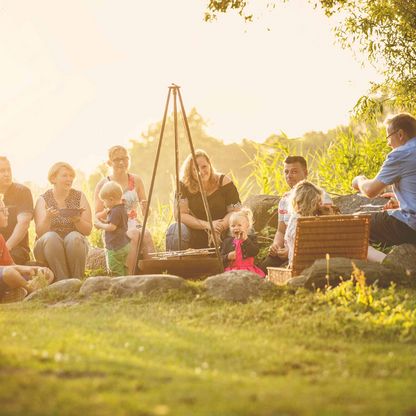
[306, 198]
[53, 171]
[110, 190]
[187, 176]
[115, 149]
[245, 213]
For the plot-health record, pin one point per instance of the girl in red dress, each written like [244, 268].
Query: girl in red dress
[239, 250]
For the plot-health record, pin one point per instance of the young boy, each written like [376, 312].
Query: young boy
[117, 243]
[15, 279]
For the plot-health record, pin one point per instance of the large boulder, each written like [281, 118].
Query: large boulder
[145, 284]
[235, 286]
[63, 289]
[96, 259]
[340, 269]
[349, 204]
[264, 209]
[95, 284]
[403, 256]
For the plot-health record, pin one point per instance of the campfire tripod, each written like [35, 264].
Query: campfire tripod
[175, 90]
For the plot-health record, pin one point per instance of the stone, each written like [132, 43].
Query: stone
[96, 259]
[145, 284]
[264, 209]
[62, 289]
[341, 269]
[403, 256]
[95, 284]
[350, 204]
[236, 286]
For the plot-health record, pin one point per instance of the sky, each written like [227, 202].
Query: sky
[80, 76]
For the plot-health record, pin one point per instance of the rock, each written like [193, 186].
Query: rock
[95, 284]
[349, 204]
[403, 256]
[264, 209]
[235, 285]
[96, 259]
[341, 269]
[145, 284]
[62, 289]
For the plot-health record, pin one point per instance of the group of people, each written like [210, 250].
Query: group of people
[63, 217]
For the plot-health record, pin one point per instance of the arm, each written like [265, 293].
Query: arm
[227, 251]
[103, 226]
[20, 230]
[43, 216]
[369, 187]
[141, 194]
[188, 219]
[83, 223]
[234, 204]
[99, 209]
[278, 246]
[250, 247]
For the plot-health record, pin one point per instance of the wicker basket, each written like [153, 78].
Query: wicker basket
[279, 275]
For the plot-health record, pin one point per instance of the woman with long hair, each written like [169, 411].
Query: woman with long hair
[222, 196]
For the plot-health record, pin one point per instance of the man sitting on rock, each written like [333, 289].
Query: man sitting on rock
[395, 226]
[295, 170]
[19, 201]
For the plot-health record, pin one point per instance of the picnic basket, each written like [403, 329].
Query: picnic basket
[336, 235]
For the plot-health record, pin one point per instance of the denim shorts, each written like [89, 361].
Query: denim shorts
[172, 237]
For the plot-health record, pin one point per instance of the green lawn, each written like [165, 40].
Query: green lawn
[182, 354]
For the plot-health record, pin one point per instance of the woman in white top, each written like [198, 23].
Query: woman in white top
[134, 195]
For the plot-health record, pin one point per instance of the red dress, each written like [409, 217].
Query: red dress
[243, 264]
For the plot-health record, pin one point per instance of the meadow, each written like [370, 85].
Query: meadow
[291, 353]
[347, 351]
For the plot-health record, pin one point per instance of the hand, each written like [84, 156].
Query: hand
[392, 203]
[97, 223]
[75, 219]
[240, 235]
[273, 250]
[283, 253]
[218, 226]
[231, 255]
[52, 212]
[356, 181]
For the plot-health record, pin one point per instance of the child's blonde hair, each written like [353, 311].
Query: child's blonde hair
[110, 190]
[306, 198]
[243, 212]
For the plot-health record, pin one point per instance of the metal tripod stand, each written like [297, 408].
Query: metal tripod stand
[175, 91]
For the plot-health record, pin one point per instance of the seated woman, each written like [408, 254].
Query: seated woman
[14, 279]
[133, 196]
[63, 220]
[223, 199]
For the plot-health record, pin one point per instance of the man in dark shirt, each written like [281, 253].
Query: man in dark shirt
[19, 201]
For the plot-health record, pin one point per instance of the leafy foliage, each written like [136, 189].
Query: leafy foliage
[383, 30]
[348, 156]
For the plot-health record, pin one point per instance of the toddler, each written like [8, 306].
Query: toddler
[306, 201]
[117, 243]
[238, 251]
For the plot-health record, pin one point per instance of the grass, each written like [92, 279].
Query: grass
[182, 354]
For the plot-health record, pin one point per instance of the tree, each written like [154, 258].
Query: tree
[384, 30]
